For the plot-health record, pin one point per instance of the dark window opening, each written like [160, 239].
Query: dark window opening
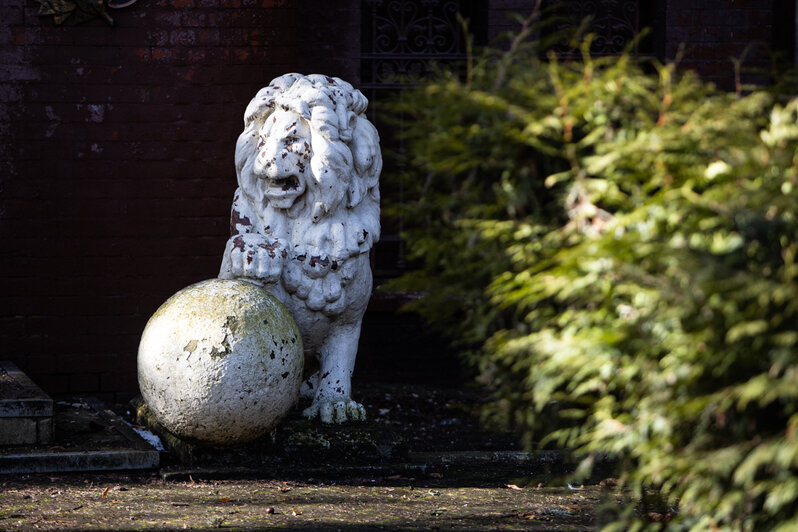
[400, 41]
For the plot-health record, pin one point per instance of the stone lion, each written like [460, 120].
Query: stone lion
[304, 219]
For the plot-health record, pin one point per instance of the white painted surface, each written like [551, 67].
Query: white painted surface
[220, 362]
[305, 217]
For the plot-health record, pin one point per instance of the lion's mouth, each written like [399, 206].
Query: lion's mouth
[289, 183]
[286, 184]
[284, 188]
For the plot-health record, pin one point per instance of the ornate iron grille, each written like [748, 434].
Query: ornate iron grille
[614, 23]
[401, 40]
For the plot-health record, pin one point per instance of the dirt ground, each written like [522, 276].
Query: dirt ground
[431, 419]
[145, 502]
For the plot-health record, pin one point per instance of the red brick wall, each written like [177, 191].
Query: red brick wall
[116, 154]
[117, 165]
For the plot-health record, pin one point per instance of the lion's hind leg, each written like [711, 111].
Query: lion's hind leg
[332, 402]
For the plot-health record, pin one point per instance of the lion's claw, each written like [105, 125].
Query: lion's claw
[330, 411]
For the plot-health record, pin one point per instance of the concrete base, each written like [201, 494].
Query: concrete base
[53, 462]
[295, 443]
[87, 438]
[26, 412]
[39, 436]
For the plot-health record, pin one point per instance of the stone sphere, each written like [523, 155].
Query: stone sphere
[220, 362]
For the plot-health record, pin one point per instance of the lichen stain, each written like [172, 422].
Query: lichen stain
[221, 350]
[232, 323]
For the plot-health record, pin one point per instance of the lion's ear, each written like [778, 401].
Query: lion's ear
[261, 105]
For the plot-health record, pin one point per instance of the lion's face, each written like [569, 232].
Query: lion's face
[279, 165]
[307, 154]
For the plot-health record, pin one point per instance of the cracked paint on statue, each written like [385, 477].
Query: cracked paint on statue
[304, 219]
[220, 362]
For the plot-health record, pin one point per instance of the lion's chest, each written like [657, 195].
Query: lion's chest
[321, 294]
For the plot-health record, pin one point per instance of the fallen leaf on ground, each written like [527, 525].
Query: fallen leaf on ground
[294, 512]
[514, 487]
[105, 492]
[224, 499]
[284, 489]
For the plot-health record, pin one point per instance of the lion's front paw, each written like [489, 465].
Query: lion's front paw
[335, 411]
[254, 256]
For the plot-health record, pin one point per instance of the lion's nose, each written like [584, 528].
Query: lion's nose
[268, 164]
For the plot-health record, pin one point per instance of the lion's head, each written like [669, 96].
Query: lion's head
[308, 151]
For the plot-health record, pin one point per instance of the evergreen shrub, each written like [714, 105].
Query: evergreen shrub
[614, 244]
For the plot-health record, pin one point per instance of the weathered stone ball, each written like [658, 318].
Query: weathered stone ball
[220, 362]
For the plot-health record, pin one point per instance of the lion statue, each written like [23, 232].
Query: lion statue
[304, 218]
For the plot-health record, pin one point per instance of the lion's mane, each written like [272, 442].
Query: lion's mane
[337, 217]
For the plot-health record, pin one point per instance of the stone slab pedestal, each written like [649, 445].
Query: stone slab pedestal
[26, 412]
[88, 437]
[295, 445]
[39, 436]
